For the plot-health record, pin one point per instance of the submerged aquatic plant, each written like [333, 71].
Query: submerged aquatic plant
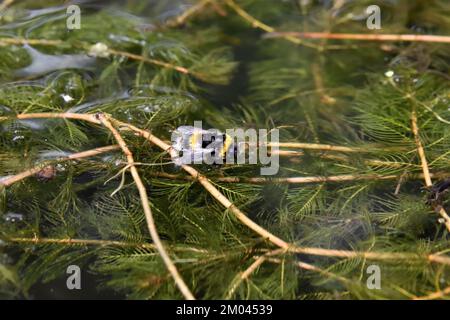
[87, 177]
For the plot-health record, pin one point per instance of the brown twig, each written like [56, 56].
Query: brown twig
[21, 41]
[5, 4]
[261, 25]
[79, 155]
[53, 115]
[316, 146]
[435, 295]
[310, 267]
[192, 10]
[132, 56]
[420, 150]
[150, 61]
[371, 255]
[304, 180]
[97, 242]
[320, 88]
[370, 162]
[147, 211]
[248, 272]
[424, 163]
[292, 180]
[363, 36]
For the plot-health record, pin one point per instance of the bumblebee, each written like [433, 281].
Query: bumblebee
[437, 191]
[196, 145]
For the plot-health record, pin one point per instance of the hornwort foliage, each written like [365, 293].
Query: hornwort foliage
[163, 69]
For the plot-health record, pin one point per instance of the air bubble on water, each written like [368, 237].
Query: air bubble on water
[18, 137]
[44, 63]
[146, 108]
[66, 98]
[60, 167]
[389, 73]
[99, 50]
[13, 217]
[108, 158]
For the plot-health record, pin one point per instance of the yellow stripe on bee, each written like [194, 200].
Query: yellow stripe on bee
[193, 139]
[227, 143]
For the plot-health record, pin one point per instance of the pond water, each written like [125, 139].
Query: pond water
[361, 136]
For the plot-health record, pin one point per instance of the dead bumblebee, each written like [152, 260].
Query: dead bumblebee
[47, 173]
[437, 192]
[195, 145]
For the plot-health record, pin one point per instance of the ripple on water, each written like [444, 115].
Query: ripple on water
[44, 63]
[13, 217]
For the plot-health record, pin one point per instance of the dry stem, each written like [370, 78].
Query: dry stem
[182, 18]
[363, 36]
[292, 180]
[248, 272]
[5, 4]
[435, 295]
[315, 146]
[148, 213]
[150, 61]
[423, 160]
[261, 25]
[97, 242]
[44, 42]
[318, 82]
[79, 155]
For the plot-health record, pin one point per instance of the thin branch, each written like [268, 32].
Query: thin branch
[146, 206]
[74, 156]
[262, 26]
[54, 115]
[21, 41]
[362, 36]
[423, 160]
[293, 180]
[132, 56]
[435, 295]
[97, 242]
[310, 267]
[249, 271]
[316, 146]
[372, 255]
[318, 82]
[370, 162]
[304, 180]
[420, 150]
[150, 61]
[5, 4]
[192, 10]
[254, 22]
